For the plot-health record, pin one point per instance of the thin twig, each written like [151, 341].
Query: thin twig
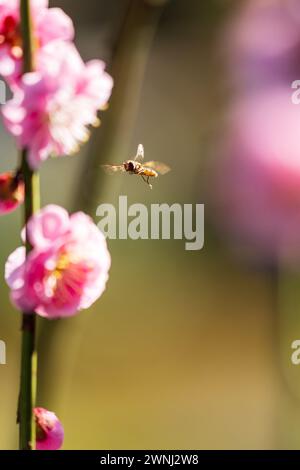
[32, 204]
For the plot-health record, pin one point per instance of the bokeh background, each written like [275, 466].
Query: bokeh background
[185, 349]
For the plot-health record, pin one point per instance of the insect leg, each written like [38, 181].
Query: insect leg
[147, 181]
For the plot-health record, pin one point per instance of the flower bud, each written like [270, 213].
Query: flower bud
[11, 192]
[49, 430]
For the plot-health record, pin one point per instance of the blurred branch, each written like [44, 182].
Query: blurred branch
[111, 141]
[129, 61]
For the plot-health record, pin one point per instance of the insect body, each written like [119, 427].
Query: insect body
[136, 167]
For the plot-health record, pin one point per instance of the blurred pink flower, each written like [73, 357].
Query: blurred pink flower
[49, 430]
[67, 269]
[53, 108]
[11, 192]
[262, 43]
[48, 24]
[257, 188]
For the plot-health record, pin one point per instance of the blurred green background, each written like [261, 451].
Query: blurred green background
[185, 349]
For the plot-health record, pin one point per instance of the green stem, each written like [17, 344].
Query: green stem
[27, 36]
[27, 395]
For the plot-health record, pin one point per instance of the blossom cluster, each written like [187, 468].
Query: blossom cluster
[52, 107]
[50, 113]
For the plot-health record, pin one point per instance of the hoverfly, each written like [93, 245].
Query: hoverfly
[136, 167]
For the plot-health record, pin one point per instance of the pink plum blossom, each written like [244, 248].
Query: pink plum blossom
[49, 24]
[49, 430]
[53, 108]
[67, 269]
[11, 192]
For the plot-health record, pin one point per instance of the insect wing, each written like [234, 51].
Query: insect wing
[140, 154]
[112, 169]
[160, 167]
